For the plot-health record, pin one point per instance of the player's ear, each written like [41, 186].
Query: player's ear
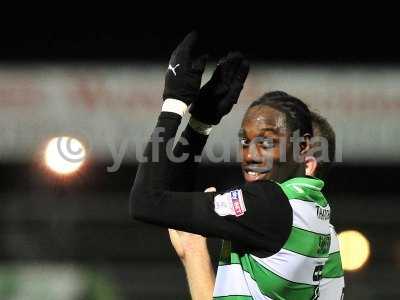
[311, 165]
[305, 145]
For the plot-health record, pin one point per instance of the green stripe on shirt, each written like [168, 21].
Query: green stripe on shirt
[271, 284]
[308, 243]
[333, 266]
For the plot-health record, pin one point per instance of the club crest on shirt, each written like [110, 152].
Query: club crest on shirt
[230, 203]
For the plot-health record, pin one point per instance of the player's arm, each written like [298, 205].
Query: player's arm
[216, 99]
[198, 267]
[193, 252]
[257, 215]
[192, 248]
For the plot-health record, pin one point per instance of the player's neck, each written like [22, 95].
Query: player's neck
[284, 174]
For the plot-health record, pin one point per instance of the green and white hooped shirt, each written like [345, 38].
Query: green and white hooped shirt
[294, 272]
[332, 283]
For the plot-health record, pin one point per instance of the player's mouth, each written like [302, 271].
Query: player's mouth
[254, 173]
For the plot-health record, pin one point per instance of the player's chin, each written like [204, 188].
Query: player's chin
[251, 176]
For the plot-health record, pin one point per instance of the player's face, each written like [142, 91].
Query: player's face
[263, 138]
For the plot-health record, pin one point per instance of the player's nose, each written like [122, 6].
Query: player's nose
[251, 156]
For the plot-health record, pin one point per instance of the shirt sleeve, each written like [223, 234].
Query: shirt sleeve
[256, 215]
[188, 150]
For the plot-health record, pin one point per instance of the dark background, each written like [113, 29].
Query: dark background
[275, 35]
[85, 220]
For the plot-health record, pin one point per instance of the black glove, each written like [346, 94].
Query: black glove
[221, 92]
[183, 78]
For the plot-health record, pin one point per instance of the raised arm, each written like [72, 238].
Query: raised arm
[215, 100]
[255, 215]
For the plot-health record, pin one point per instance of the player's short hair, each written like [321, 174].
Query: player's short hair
[298, 115]
[322, 128]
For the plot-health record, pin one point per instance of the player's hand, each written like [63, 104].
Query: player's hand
[221, 92]
[185, 68]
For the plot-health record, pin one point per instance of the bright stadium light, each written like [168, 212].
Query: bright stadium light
[354, 249]
[64, 155]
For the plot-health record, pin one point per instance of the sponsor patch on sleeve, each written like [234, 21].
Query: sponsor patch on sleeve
[230, 203]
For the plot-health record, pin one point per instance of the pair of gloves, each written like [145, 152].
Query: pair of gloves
[217, 97]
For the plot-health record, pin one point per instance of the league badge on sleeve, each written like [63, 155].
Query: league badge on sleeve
[230, 203]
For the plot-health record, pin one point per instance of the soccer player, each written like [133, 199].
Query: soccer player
[277, 234]
[332, 283]
[192, 248]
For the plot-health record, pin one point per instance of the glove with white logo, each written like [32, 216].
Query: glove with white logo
[221, 92]
[183, 78]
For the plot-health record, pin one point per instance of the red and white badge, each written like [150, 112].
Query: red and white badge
[230, 203]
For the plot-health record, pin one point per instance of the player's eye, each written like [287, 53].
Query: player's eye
[267, 143]
[244, 142]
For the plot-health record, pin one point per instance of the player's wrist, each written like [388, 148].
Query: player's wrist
[199, 126]
[175, 106]
[203, 111]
